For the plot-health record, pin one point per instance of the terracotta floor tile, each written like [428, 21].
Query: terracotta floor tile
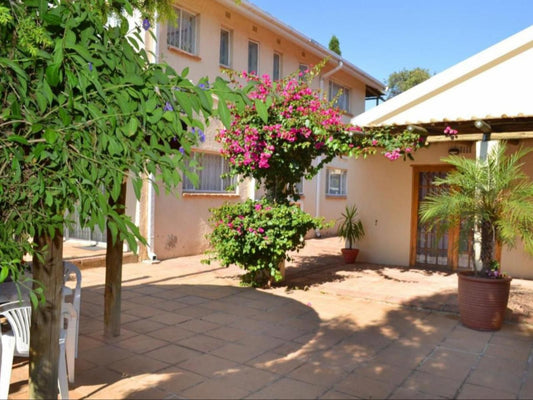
[169, 318]
[106, 354]
[275, 363]
[141, 344]
[318, 374]
[364, 387]
[144, 326]
[481, 392]
[383, 372]
[287, 388]
[431, 384]
[173, 354]
[208, 365]
[174, 379]
[171, 334]
[138, 364]
[215, 387]
[450, 363]
[498, 373]
[202, 343]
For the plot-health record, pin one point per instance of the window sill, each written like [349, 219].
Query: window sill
[211, 195]
[336, 196]
[180, 52]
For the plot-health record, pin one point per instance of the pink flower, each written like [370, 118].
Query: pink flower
[258, 207]
[260, 230]
[374, 142]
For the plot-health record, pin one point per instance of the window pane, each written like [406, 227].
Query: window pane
[209, 171]
[224, 47]
[276, 67]
[336, 182]
[343, 99]
[253, 53]
[183, 35]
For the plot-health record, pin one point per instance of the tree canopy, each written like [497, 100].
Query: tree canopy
[334, 45]
[400, 81]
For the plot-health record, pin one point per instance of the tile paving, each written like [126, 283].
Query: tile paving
[329, 332]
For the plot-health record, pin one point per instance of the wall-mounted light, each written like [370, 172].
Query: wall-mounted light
[417, 129]
[485, 128]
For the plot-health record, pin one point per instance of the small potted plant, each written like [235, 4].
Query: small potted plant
[494, 197]
[351, 230]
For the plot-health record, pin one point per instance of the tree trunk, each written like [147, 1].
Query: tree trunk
[45, 320]
[113, 271]
[487, 244]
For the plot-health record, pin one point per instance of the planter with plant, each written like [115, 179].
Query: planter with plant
[351, 230]
[493, 198]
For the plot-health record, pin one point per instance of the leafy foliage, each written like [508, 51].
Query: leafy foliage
[257, 236]
[80, 105]
[495, 194]
[399, 82]
[334, 45]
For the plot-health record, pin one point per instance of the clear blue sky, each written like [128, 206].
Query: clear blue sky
[384, 36]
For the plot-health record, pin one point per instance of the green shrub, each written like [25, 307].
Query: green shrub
[256, 236]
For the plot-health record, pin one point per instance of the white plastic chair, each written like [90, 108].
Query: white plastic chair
[71, 312]
[16, 342]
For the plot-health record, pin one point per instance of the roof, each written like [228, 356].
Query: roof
[374, 86]
[494, 85]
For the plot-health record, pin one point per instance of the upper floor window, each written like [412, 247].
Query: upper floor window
[225, 47]
[182, 35]
[209, 168]
[343, 100]
[303, 70]
[253, 57]
[336, 182]
[276, 67]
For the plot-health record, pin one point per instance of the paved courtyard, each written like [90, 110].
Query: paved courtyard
[330, 332]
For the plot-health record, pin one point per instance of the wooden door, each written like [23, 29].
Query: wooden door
[427, 247]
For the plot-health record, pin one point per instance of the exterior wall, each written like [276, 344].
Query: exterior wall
[181, 219]
[516, 262]
[382, 191]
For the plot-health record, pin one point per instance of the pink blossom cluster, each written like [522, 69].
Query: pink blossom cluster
[393, 155]
[448, 131]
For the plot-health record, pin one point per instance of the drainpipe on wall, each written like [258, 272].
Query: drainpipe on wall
[152, 257]
[318, 180]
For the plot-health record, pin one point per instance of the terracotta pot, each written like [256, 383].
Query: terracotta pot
[482, 301]
[350, 255]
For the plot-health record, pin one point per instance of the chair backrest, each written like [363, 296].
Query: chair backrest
[18, 315]
[69, 270]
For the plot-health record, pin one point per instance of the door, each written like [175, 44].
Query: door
[429, 248]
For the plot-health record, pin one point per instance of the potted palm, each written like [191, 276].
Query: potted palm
[493, 198]
[351, 230]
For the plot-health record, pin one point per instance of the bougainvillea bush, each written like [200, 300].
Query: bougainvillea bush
[257, 235]
[287, 126]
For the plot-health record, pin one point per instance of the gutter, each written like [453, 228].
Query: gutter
[318, 192]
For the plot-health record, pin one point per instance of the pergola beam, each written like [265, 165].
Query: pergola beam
[474, 137]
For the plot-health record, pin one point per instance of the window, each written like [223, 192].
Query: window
[225, 42]
[299, 187]
[276, 67]
[336, 182]
[343, 101]
[253, 57]
[182, 35]
[304, 69]
[209, 169]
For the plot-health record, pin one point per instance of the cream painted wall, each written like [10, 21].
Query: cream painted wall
[516, 262]
[382, 191]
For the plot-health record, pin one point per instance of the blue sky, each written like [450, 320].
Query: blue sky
[384, 36]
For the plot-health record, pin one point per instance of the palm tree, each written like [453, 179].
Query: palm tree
[495, 195]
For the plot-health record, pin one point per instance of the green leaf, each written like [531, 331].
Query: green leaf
[53, 75]
[262, 110]
[223, 112]
[131, 127]
[50, 135]
[17, 139]
[4, 273]
[184, 102]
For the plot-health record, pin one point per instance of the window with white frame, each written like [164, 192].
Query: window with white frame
[253, 57]
[182, 34]
[336, 182]
[343, 99]
[299, 187]
[209, 168]
[225, 48]
[276, 67]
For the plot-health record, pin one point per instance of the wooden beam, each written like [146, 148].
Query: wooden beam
[474, 137]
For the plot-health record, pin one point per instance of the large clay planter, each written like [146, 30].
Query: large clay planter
[350, 255]
[482, 301]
